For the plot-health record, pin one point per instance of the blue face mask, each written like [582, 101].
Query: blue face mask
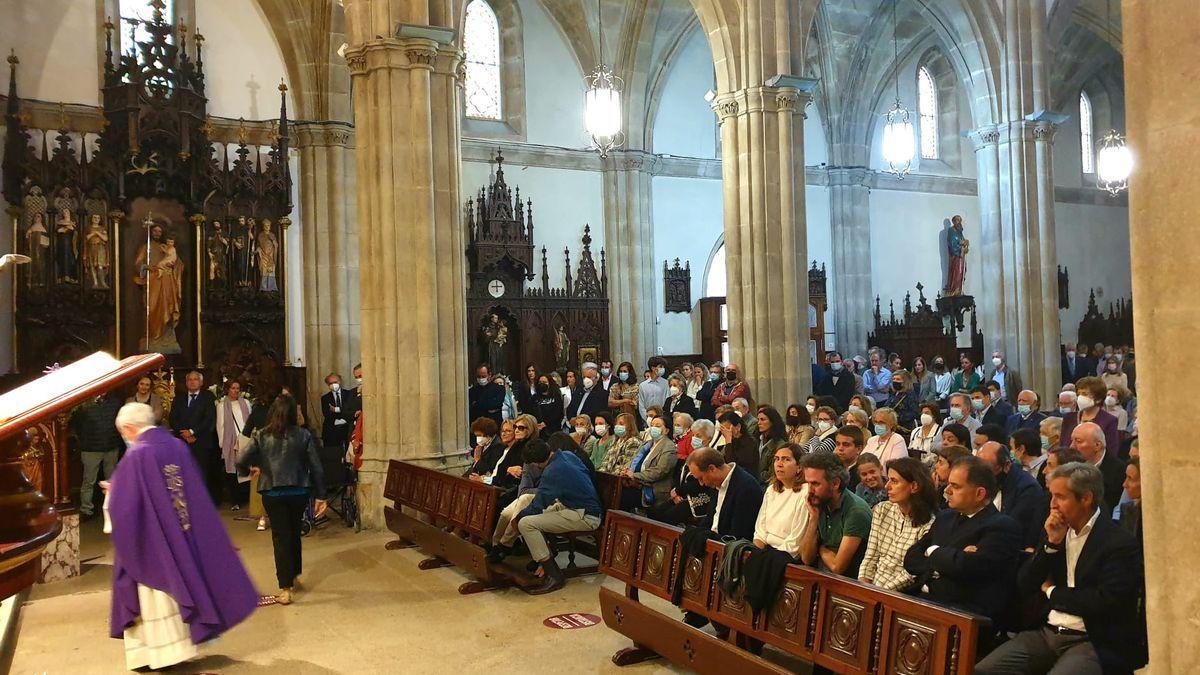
[655, 433]
[880, 430]
[713, 377]
[836, 367]
[1045, 443]
[679, 431]
[697, 443]
[956, 413]
[624, 375]
[977, 403]
[605, 371]
[1024, 409]
[661, 370]
[619, 430]
[1066, 410]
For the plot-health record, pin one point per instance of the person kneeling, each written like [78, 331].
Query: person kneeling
[566, 501]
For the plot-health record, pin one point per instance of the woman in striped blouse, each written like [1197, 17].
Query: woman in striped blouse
[898, 523]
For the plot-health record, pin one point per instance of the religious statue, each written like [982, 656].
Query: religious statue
[95, 252]
[37, 240]
[562, 348]
[268, 257]
[161, 271]
[957, 246]
[243, 253]
[218, 256]
[496, 332]
[240, 271]
[66, 247]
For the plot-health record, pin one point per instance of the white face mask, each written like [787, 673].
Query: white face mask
[674, 391]
[996, 361]
[810, 408]
[481, 381]
[601, 429]
[359, 379]
[1110, 401]
[824, 425]
[1085, 402]
[336, 386]
[481, 440]
[588, 382]
[1070, 355]
[582, 431]
[926, 419]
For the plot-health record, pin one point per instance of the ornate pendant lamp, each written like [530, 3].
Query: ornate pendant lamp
[602, 111]
[1114, 159]
[899, 137]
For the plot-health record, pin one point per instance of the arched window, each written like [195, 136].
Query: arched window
[715, 284]
[481, 42]
[140, 10]
[1086, 138]
[928, 107]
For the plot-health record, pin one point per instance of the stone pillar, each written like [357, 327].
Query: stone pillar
[766, 247]
[330, 230]
[411, 239]
[850, 230]
[629, 243]
[1018, 303]
[1163, 209]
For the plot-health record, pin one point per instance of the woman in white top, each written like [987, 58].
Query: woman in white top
[784, 512]
[897, 524]
[886, 444]
[696, 381]
[232, 412]
[927, 436]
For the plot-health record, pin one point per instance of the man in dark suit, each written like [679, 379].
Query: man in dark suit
[338, 414]
[1089, 439]
[354, 403]
[837, 383]
[485, 398]
[996, 409]
[1074, 366]
[739, 496]
[1090, 571]
[968, 559]
[589, 396]
[194, 419]
[1019, 496]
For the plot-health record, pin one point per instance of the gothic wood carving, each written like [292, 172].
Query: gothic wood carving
[1115, 328]
[677, 287]
[922, 331]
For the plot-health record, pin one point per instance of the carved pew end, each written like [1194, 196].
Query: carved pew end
[398, 544]
[433, 563]
[634, 655]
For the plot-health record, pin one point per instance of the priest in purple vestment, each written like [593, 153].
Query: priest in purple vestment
[177, 580]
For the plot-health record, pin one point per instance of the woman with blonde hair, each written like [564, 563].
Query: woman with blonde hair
[886, 444]
[623, 451]
[784, 513]
[696, 382]
[581, 433]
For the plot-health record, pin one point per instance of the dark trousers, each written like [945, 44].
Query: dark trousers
[286, 514]
[1042, 651]
[235, 492]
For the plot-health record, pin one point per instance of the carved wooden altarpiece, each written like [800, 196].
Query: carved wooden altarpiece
[149, 237]
[510, 325]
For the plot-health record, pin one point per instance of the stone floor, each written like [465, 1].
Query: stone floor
[364, 610]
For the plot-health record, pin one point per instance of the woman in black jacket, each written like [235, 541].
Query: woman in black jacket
[284, 457]
[547, 407]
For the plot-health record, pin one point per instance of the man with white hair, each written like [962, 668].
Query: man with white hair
[589, 397]
[177, 580]
[1066, 403]
[1089, 440]
[1028, 414]
[1008, 379]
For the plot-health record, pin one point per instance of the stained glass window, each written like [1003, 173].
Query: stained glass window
[927, 106]
[141, 10]
[1086, 140]
[481, 42]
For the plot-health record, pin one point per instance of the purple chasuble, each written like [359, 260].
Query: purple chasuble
[167, 536]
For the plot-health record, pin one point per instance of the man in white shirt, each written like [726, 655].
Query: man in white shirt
[1090, 571]
[653, 392]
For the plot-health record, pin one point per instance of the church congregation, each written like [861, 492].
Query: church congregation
[754, 335]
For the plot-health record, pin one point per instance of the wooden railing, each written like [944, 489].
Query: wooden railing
[459, 517]
[825, 619]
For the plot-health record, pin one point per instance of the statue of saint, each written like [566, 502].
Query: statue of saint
[66, 248]
[161, 271]
[37, 241]
[562, 348]
[496, 332]
[957, 246]
[268, 256]
[95, 252]
[218, 256]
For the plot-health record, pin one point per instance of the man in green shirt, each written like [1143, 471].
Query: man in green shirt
[839, 521]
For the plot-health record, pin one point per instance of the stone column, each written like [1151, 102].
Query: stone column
[850, 230]
[629, 243]
[411, 239]
[1018, 303]
[330, 231]
[1163, 209]
[766, 248]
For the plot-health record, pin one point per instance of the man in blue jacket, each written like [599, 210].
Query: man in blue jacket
[566, 501]
[1019, 496]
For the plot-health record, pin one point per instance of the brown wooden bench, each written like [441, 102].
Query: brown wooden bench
[460, 517]
[825, 619]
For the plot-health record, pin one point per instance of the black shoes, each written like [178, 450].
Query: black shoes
[554, 579]
[498, 553]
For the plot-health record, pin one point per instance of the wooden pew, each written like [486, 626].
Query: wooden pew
[825, 619]
[460, 516]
